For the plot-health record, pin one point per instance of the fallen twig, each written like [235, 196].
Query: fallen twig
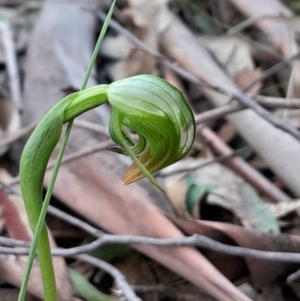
[195, 240]
[268, 102]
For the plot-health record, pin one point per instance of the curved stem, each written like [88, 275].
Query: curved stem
[40, 239]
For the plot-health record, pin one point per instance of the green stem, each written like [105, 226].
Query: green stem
[40, 241]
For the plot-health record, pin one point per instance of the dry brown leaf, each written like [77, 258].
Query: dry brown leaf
[226, 132]
[228, 191]
[246, 77]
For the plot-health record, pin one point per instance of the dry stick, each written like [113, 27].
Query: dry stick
[83, 152]
[21, 133]
[195, 240]
[218, 112]
[75, 221]
[272, 70]
[276, 102]
[142, 46]
[29, 128]
[73, 156]
[11, 242]
[98, 128]
[268, 102]
[218, 159]
[243, 169]
[239, 96]
[248, 102]
[79, 154]
[251, 21]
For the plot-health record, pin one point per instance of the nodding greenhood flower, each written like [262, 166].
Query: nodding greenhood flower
[159, 114]
[145, 104]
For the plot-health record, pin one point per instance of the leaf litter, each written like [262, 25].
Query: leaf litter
[228, 44]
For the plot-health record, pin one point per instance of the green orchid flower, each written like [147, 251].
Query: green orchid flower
[151, 107]
[159, 114]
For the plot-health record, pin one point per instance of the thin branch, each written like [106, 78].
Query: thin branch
[265, 114]
[83, 152]
[218, 112]
[11, 242]
[250, 21]
[194, 240]
[73, 156]
[272, 70]
[98, 128]
[218, 159]
[75, 221]
[268, 102]
[15, 136]
[277, 103]
[29, 128]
